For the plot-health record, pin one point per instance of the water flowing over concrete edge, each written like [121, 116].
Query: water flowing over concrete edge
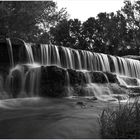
[25, 77]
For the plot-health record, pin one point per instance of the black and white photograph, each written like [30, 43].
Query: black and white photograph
[70, 69]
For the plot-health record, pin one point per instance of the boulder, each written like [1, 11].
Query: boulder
[53, 81]
[111, 77]
[76, 77]
[98, 77]
[59, 82]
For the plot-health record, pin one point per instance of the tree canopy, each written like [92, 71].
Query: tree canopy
[113, 33]
[29, 20]
[116, 33]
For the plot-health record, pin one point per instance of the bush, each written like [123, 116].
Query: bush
[123, 122]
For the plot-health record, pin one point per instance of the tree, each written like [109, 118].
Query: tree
[89, 33]
[111, 33]
[106, 32]
[67, 33]
[132, 13]
[28, 20]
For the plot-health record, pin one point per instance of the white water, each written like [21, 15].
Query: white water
[74, 59]
[27, 80]
[80, 59]
[84, 61]
[10, 50]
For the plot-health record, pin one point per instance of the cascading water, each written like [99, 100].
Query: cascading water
[80, 60]
[10, 50]
[29, 52]
[28, 75]
[24, 80]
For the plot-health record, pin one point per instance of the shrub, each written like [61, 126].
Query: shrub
[123, 122]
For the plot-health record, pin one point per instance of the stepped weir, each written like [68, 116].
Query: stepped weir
[24, 76]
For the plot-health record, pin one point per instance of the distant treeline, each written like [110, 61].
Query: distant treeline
[116, 33]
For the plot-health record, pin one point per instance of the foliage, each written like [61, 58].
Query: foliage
[112, 33]
[121, 123]
[67, 33]
[131, 11]
[115, 33]
[29, 20]
[107, 33]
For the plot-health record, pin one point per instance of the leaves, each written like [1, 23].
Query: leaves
[28, 19]
[112, 33]
[40, 22]
[123, 122]
[104, 34]
[66, 33]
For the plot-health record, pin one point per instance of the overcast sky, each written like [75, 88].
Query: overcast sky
[83, 9]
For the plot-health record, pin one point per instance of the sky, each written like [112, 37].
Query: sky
[83, 9]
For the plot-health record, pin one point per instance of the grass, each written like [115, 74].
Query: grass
[121, 123]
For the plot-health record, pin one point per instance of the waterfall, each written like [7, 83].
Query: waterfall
[29, 52]
[68, 84]
[24, 78]
[101, 92]
[83, 60]
[10, 50]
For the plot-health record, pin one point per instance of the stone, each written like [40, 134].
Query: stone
[111, 77]
[98, 77]
[53, 82]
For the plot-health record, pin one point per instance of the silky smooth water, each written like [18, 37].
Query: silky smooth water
[47, 55]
